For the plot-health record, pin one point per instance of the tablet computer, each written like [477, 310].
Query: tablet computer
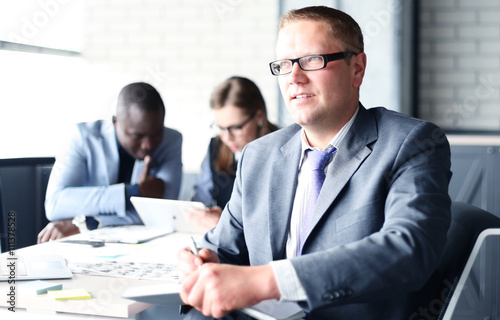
[154, 212]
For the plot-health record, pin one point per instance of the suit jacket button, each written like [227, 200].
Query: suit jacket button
[328, 296]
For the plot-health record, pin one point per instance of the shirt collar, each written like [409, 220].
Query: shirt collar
[237, 156]
[335, 142]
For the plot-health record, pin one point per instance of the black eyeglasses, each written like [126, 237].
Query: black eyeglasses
[236, 130]
[307, 63]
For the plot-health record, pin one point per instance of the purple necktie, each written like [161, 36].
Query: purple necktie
[317, 160]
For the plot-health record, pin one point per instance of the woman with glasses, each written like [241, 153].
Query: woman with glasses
[239, 117]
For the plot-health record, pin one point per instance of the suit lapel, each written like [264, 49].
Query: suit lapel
[350, 155]
[110, 148]
[283, 182]
[112, 158]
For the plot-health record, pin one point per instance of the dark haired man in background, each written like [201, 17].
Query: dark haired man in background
[108, 161]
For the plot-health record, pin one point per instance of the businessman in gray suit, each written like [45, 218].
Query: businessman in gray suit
[377, 230]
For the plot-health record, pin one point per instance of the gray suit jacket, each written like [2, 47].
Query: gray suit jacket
[380, 221]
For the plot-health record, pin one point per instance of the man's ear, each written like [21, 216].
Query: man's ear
[359, 67]
[114, 119]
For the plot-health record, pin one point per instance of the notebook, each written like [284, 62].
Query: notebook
[275, 310]
[33, 267]
[160, 294]
[160, 217]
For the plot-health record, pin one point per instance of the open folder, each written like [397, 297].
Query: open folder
[168, 293]
[273, 309]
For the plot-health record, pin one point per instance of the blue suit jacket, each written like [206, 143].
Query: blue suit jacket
[380, 222]
[85, 174]
[213, 187]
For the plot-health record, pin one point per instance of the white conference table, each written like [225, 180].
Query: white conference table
[106, 292]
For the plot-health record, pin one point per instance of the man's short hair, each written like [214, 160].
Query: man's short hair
[141, 95]
[341, 26]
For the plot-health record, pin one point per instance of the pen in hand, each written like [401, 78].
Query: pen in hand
[194, 250]
[184, 309]
[194, 247]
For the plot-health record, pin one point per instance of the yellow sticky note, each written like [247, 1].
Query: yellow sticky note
[69, 294]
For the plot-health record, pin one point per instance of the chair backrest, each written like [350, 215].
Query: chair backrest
[467, 222]
[477, 294]
[3, 223]
[188, 182]
[24, 183]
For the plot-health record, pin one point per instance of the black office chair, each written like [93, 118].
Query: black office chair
[24, 182]
[477, 294]
[3, 223]
[467, 222]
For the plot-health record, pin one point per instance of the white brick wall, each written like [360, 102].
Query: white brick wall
[460, 63]
[379, 23]
[184, 49]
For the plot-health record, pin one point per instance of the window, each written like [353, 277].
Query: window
[42, 74]
[46, 23]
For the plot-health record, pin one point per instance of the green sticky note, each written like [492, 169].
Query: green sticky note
[39, 286]
[70, 294]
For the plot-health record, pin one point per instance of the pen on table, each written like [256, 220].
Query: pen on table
[92, 243]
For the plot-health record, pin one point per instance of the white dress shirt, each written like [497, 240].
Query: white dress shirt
[288, 282]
